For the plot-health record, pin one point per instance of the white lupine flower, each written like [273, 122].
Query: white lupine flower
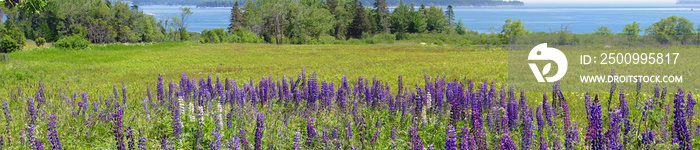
[425, 108]
[191, 107]
[181, 104]
[218, 115]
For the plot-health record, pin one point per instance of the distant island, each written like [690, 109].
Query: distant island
[229, 3]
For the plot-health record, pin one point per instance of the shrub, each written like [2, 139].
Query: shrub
[9, 45]
[385, 38]
[326, 39]
[72, 42]
[40, 41]
[244, 36]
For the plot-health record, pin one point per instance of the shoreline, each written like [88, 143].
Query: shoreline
[463, 6]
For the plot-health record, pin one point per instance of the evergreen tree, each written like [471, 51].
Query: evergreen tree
[416, 21]
[236, 17]
[460, 29]
[382, 16]
[435, 19]
[360, 23]
[450, 14]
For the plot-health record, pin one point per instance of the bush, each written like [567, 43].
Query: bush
[385, 38]
[72, 42]
[9, 45]
[326, 39]
[40, 41]
[245, 36]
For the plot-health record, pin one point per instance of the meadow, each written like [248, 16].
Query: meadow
[183, 95]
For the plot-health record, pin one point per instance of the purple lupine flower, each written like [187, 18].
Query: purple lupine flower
[130, 138]
[415, 139]
[8, 115]
[52, 135]
[393, 138]
[689, 110]
[340, 99]
[624, 113]
[648, 138]
[547, 110]
[117, 119]
[234, 143]
[159, 91]
[361, 129]
[430, 147]
[334, 137]
[325, 137]
[39, 145]
[455, 100]
[540, 121]
[523, 99]
[612, 88]
[466, 140]
[595, 126]
[507, 143]
[260, 127]
[123, 93]
[164, 143]
[348, 129]
[512, 110]
[375, 136]
[312, 93]
[570, 132]
[30, 137]
[679, 122]
[244, 142]
[555, 145]
[310, 132]
[177, 123]
[451, 140]
[142, 143]
[612, 135]
[216, 142]
[32, 111]
[297, 141]
[476, 113]
[528, 129]
[571, 137]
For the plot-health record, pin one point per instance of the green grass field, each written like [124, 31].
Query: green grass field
[99, 68]
[138, 65]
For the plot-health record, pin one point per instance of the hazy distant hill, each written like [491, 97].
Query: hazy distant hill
[213, 3]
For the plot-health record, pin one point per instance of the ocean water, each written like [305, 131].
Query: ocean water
[584, 19]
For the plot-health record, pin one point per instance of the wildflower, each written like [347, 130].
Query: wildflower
[528, 128]
[595, 127]
[297, 141]
[260, 127]
[234, 143]
[415, 139]
[679, 122]
[52, 135]
[117, 117]
[310, 132]
[450, 143]
[142, 143]
[507, 143]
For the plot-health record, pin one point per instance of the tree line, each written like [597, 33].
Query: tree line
[309, 21]
[77, 23]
